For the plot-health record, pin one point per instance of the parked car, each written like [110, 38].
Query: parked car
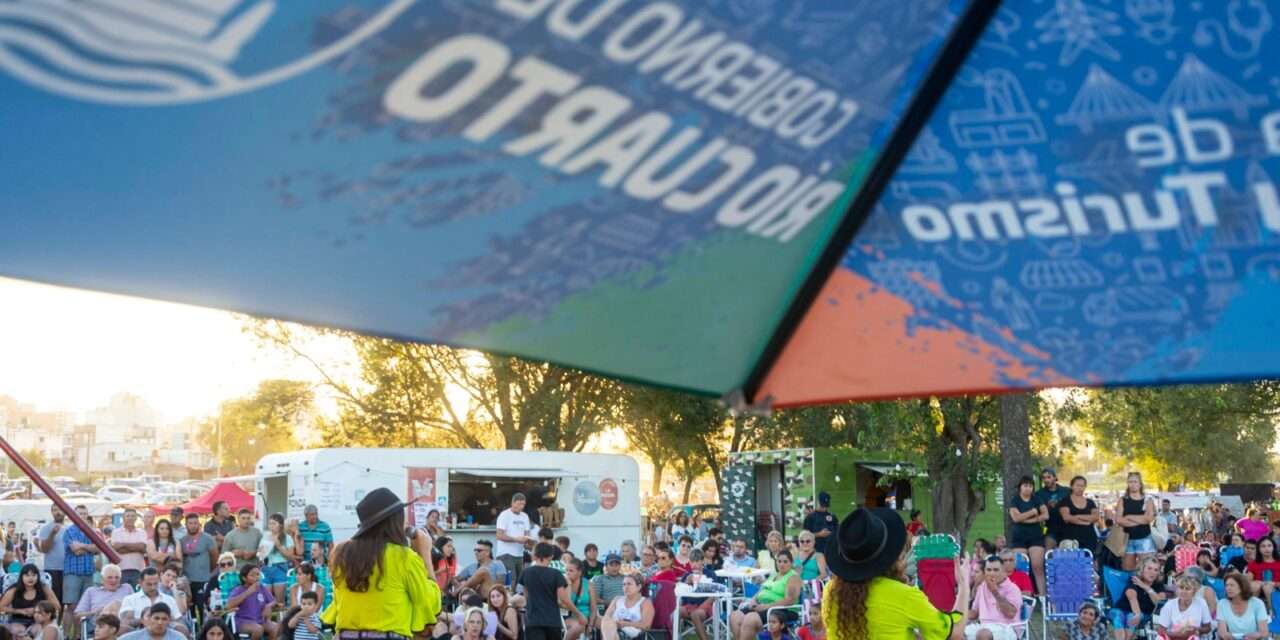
[121, 494]
[72, 496]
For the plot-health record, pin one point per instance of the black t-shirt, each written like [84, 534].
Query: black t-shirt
[1026, 528]
[1137, 507]
[1053, 499]
[820, 521]
[1082, 533]
[1145, 603]
[541, 585]
[214, 529]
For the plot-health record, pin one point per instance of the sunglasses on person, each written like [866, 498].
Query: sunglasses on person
[806, 540]
[226, 564]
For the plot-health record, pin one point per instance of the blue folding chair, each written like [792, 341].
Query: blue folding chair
[1218, 585]
[1227, 554]
[1069, 577]
[1114, 582]
[1022, 563]
[1274, 625]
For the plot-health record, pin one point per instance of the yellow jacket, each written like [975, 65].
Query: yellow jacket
[401, 598]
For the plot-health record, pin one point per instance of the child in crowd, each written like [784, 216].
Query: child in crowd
[106, 627]
[817, 627]
[44, 626]
[306, 623]
[777, 627]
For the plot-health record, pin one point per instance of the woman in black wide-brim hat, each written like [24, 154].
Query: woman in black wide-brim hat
[382, 585]
[868, 597]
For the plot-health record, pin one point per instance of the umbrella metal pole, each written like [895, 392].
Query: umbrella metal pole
[93, 535]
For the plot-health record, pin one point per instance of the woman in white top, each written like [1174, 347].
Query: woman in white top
[629, 614]
[276, 551]
[1185, 617]
[1241, 617]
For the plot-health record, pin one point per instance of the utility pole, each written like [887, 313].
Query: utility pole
[219, 444]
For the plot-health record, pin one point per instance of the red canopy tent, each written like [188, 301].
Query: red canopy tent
[228, 492]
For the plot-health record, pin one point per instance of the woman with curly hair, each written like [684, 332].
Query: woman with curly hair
[868, 597]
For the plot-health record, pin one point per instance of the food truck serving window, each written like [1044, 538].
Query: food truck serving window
[476, 497]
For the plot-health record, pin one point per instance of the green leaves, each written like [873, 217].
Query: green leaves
[1192, 435]
[248, 428]
[415, 395]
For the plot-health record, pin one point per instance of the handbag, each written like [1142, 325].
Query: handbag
[1160, 533]
[1117, 540]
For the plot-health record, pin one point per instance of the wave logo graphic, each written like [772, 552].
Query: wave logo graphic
[157, 52]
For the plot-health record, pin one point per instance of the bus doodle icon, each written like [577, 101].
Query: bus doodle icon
[155, 52]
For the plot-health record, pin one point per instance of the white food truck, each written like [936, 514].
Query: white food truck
[598, 494]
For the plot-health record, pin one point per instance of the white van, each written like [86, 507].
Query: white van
[598, 494]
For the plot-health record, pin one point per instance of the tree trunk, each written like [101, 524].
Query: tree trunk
[1015, 445]
[713, 464]
[657, 479]
[955, 503]
[688, 488]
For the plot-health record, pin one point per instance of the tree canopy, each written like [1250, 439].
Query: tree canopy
[245, 429]
[1193, 436]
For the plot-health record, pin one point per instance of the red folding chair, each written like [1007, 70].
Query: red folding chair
[937, 577]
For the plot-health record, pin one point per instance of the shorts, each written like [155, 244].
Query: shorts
[1026, 540]
[55, 581]
[74, 586]
[544, 633]
[706, 607]
[1140, 545]
[275, 573]
[1120, 619]
[998, 631]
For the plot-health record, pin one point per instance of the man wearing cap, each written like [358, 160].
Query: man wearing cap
[868, 597]
[175, 523]
[821, 523]
[1051, 495]
[606, 587]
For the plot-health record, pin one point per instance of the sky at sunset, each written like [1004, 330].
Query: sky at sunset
[68, 349]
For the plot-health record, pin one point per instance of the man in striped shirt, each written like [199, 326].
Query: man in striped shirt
[314, 530]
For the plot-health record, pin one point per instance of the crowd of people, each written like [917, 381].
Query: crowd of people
[1189, 574]
[204, 577]
[1184, 574]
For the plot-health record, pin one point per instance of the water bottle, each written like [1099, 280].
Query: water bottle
[215, 599]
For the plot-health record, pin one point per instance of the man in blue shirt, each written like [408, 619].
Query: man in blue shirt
[79, 555]
[821, 523]
[314, 530]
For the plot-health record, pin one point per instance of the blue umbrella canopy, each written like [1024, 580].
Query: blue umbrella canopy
[731, 195]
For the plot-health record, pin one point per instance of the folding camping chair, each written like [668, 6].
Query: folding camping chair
[1070, 579]
[1227, 554]
[1184, 555]
[935, 557]
[1114, 582]
[1023, 626]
